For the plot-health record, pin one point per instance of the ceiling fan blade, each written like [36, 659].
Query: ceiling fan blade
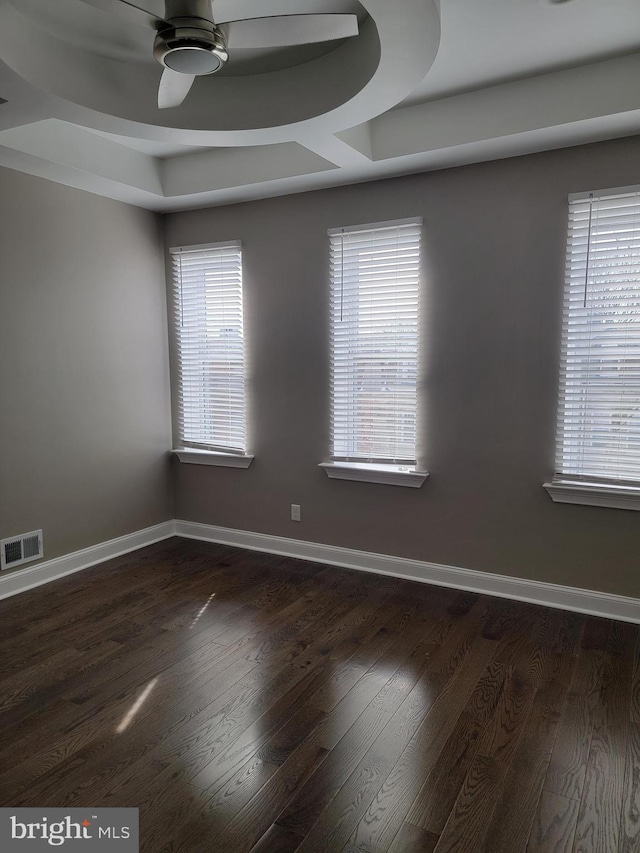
[285, 30]
[150, 15]
[173, 89]
[131, 11]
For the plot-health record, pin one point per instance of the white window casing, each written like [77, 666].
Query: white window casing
[598, 436]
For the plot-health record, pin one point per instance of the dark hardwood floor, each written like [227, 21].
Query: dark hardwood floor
[246, 702]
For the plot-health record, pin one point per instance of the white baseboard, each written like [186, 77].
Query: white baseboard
[49, 570]
[535, 592]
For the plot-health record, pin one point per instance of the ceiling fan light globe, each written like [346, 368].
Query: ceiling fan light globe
[193, 60]
[195, 51]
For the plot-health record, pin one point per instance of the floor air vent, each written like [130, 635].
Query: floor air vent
[21, 549]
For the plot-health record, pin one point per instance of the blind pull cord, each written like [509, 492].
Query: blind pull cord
[181, 294]
[341, 273]
[586, 271]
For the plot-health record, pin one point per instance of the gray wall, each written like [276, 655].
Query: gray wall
[494, 238]
[84, 391]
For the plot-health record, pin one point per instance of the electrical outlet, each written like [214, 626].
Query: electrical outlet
[295, 512]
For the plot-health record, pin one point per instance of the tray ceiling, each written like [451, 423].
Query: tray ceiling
[425, 85]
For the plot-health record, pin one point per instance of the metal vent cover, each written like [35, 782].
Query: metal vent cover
[21, 549]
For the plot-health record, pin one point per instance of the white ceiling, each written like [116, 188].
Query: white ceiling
[491, 41]
[426, 84]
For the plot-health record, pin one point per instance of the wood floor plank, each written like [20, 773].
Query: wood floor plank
[353, 671]
[257, 772]
[377, 694]
[510, 826]
[277, 839]
[253, 819]
[603, 796]
[400, 695]
[568, 766]
[373, 801]
[598, 828]
[463, 634]
[64, 663]
[596, 633]
[432, 806]
[570, 632]
[630, 821]
[48, 724]
[216, 772]
[554, 826]
[504, 618]
[467, 825]
[635, 688]
[99, 758]
[103, 726]
[503, 731]
[412, 839]
[194, 743]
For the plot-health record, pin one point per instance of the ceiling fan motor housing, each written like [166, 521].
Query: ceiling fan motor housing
[191, 46]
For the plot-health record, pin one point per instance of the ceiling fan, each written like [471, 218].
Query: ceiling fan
[189, 44]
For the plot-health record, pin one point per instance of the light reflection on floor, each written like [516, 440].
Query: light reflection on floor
[412, 689]
[202, 609]
[133, 710]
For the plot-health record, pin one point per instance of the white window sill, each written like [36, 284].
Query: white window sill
[212, 457]
[387, 475]
[593, 494]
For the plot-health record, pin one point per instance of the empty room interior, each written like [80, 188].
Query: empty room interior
[320, 426]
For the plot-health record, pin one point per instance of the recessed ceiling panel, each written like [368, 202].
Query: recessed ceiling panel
[486, 42]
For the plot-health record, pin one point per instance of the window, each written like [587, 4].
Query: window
[375, 283]
[598, 443]
[207, 284]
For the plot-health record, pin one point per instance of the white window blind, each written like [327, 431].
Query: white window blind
[375, 282]
[208, 299]
[599, 416]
